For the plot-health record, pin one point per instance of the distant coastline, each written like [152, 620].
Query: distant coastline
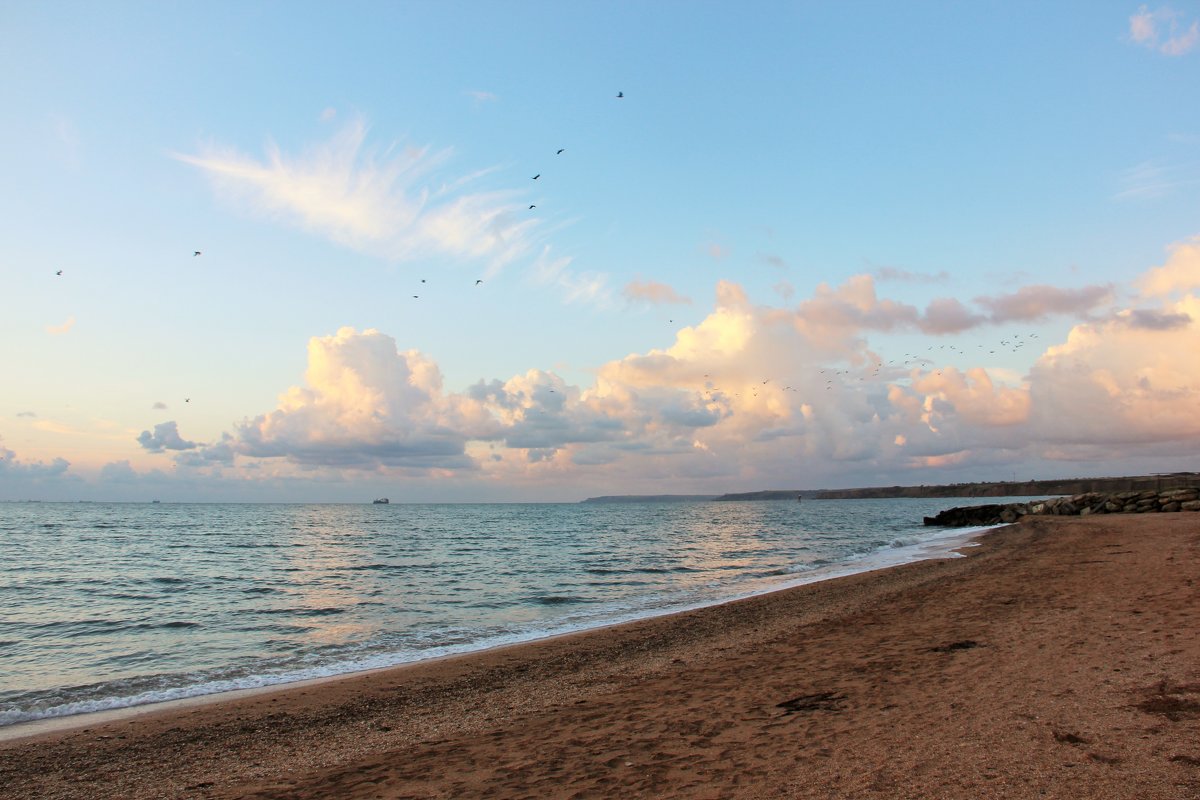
[1057, 486]
[652, 498]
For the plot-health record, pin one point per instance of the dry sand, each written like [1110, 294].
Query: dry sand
[1061, 658]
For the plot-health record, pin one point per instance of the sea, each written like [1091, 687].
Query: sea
[110, 605]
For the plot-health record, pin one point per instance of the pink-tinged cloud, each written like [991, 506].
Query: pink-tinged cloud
[947, 315]
[1035, 303]
[1123, 384]
[1180, 273]
[59, 330]
[654, 293]
[905, 276]
[1163, 29]
[853, 306]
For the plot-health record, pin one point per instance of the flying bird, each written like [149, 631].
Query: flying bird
[479, 281]
[535, 177]
[532, 207]
[560, 151]
[196, 253]
[187, 399]
[59, 272]
[620, 95]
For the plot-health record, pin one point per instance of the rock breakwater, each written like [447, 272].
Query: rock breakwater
[1133, 502]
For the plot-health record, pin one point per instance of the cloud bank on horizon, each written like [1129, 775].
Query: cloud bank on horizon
[751, 393]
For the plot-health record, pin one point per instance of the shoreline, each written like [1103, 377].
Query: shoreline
[1059, 658]
[944, 544]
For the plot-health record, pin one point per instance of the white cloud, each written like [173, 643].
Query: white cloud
[395, 203]
[364, 405]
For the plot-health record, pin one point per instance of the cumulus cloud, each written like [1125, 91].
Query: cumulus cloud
[1126, 380]
[365, 405]
[1181, 272]
[1164, 29]
[165, 437]
[13, 468]
[653, 293]
[390, 203]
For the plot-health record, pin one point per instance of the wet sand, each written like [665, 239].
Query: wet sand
[1060, 658]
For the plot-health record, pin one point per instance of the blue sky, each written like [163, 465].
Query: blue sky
[978, 218]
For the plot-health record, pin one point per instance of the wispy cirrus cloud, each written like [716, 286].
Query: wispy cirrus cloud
[480, 96]
[1154, 179]
[1164, 30]
[905, 276]
[397, 203]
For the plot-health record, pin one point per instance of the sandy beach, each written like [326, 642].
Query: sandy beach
[1059, 658]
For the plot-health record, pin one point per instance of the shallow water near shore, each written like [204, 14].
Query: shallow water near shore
[115, 605]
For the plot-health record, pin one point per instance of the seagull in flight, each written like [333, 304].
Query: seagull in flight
[59, 272]
[560, 151]
[535, 177]
[531, 207]
[196, 253]
[620, 95]
[479, 281]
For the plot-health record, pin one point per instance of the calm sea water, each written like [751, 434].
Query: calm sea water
[111, 605]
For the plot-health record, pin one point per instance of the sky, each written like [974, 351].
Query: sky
[541, 251]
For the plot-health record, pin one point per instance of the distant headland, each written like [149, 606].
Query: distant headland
[1056, 486]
